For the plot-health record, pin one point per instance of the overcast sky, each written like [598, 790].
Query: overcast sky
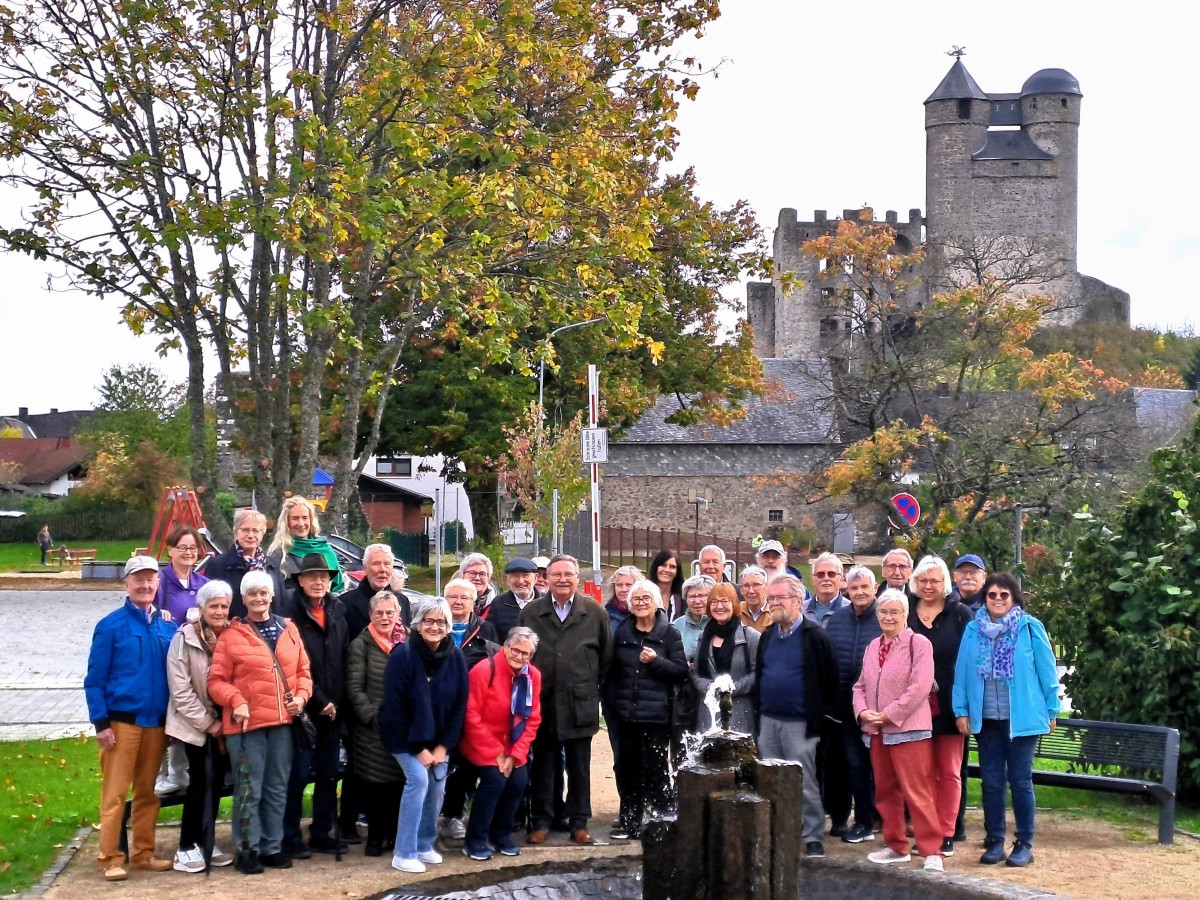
[819, 106]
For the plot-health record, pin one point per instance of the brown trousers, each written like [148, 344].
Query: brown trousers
[132, 763]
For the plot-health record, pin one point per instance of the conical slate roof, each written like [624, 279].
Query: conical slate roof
[957, 85]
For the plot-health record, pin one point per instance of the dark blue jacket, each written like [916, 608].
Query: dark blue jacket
[230, 566]
[645, 693]
[126, 676]
[418, 713]
[850, 634]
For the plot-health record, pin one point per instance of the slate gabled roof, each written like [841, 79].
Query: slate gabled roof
[794, 410]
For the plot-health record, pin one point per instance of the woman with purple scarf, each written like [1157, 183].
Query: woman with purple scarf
[1006, 694]
[503, 714]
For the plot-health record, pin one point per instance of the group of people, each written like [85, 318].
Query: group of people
[489, 700]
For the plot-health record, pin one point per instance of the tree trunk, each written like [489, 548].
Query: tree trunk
[481, 487]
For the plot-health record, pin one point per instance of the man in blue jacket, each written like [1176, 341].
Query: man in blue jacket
[126, 688]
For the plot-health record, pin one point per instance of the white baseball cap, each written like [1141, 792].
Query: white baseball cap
[140, 564]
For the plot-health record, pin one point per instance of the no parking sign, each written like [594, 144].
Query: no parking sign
[908, 507]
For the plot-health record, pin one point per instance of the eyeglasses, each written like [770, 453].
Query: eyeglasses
[720, 601]
[641, 598]
[476, 575]
[898, 565]
[891, 614]
[826, 574]
[930, 582]
[755, 585]
[999, 595]
[251, 529]
[435, 624]
[186, 551]
[519, 654]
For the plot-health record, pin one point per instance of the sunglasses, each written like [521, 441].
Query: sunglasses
[999, 595]
[826, 574]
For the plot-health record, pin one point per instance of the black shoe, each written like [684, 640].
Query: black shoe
[248, 863]
[298, 851]
[948, 847]
[858, 834]
[814, 850]
[324, 844]
[278, 860]
[561, 825]
[959, 836]
[620, 834]
[994, 853]
[373, 848]
[837, 829]
[1020, 855]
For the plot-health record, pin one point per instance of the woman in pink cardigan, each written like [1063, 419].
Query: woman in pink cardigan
[891, 703]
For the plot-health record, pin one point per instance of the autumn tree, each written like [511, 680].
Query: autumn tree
[942, 392]
[295, 186]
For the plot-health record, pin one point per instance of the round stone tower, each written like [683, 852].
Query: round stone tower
[1050, 101]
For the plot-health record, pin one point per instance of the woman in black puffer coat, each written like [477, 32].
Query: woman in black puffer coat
[648, 665]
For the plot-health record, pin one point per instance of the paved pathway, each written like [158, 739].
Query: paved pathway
[44, 640]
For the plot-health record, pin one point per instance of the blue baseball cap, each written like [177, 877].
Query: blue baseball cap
[969, 559]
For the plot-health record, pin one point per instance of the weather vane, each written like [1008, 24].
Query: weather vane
[957, 52]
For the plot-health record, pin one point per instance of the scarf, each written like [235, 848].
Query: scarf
[522, 702]
[208, 637]
[301, 547]
[885, 647]
[387, 643]
[723, 655]
[434, 658]
[257, 562]
[997, 645]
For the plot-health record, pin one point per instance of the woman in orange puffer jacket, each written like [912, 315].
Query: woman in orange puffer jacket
[257, 711]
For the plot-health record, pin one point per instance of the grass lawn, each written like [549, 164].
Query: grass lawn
[27, 557]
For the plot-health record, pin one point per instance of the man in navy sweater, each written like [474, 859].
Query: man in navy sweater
[797, 683]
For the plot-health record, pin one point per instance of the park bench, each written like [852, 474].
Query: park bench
[64, 556]
[1113, 757]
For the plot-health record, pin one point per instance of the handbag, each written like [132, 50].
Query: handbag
[304, 730]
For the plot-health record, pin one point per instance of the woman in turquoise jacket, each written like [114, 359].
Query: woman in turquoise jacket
[1006, 694]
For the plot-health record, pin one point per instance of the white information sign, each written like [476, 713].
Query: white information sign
[594, 443]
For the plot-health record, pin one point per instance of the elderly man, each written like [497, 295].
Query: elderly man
[245, 555]
[897, 569]
[796, 678]
[541, 582]
[378, 570]
[754, 613]
[850, 630]
[711, 562]
[126, 689]
[826, 596]
[969, 575]
[573, 654]
[519, 576]
[477, 569]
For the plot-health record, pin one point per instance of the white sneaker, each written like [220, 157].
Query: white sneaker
[934, 864]
[220, 858]
[431, 857]
[408, 864]
[166, 786]
[191, 861]
[888, 855]
[454, 829]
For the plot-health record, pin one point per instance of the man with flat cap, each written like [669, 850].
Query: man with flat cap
[519, 575]
[126, 688]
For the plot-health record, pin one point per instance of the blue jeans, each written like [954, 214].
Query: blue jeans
[321, 761]
[267, 752]
[495, 805]
[861, 775]
[416, 826]
[1006, 759]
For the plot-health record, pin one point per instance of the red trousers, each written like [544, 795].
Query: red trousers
[904, 775]
[947, 773]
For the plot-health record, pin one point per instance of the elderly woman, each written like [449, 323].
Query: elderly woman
[476, 638]
[420, 722]
[1006, 694]
[477, 569]
[503, 714]
[320, 617]
[727, 647]
[648, 665]
[942, 619]
[246, 554]
[297, 534]
[196, 724]
[666, 571]
[377, 772]
[891, 704]
[691, 624]
[619, 586]
[261, 680]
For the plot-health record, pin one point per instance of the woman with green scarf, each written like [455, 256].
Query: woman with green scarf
[1006, 694]
[297, 534]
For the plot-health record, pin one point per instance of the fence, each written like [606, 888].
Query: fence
[412, 548]
[87, 526]
[624, 546]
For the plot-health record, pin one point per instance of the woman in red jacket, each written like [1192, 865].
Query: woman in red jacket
[258, 705]
[503, 714]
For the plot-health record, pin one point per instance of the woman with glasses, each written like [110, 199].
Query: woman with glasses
[891, 705]
[937, 616]
[727, 647]
[377, 772]
[504, 711]
[1006, 694]
[648, 665]
[420, 722]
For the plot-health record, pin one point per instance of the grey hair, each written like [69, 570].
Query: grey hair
[795, 586]
[471, 559]
[929, 563]
[705, 581]
[378, 548]
[258, 579]
[564, 557]
[892, 595]
[901, 551]
[857, 572]
[211, 590]
[246, 513]
[754, 570]
[426, 605]
[708, 547]
[832, 559]
[383, 597]
[645, 584]
[522, 635]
